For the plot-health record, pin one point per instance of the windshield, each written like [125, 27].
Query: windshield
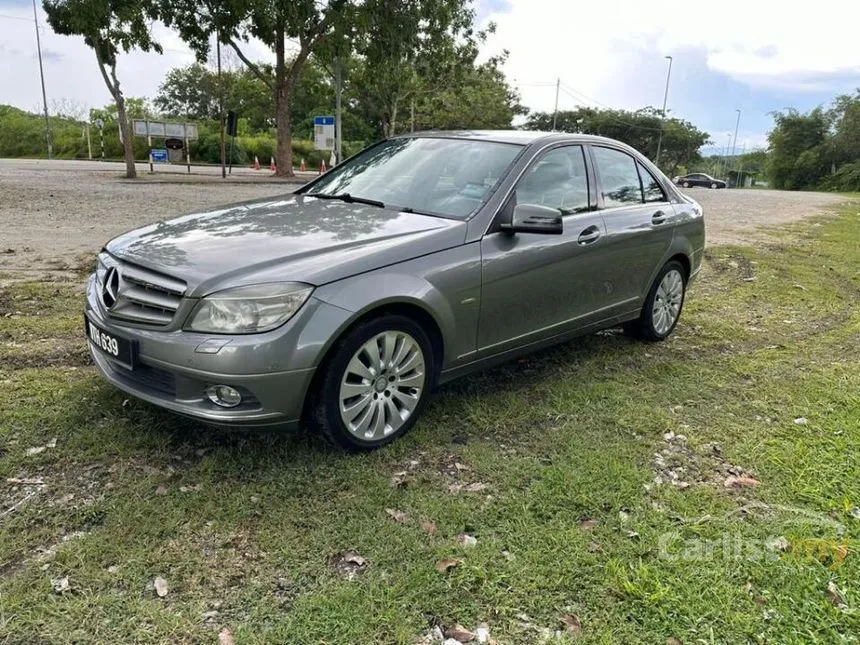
[447, 177]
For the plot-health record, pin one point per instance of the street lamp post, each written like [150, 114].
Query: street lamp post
[735, 140]
[737, 123]
[663, 113]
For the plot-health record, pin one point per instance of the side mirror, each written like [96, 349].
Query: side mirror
[534, 218]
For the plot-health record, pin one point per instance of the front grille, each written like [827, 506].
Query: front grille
[144, 296]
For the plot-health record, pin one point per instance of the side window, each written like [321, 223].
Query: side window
[653, 190]
[557, 180]
[619, 180]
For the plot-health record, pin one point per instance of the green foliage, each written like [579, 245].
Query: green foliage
[846, 179]
[22, 134]
[798, 149]
[641, 129]
[425, 53]
[108, 26]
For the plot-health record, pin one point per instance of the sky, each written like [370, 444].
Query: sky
[755, 57]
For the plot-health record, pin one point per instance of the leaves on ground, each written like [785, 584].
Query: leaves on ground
[443, 566]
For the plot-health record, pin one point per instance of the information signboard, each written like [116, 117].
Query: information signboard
[324, 132]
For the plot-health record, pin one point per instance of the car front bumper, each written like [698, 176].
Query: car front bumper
[272, 370]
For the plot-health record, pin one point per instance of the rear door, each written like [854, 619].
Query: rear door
[534, 286]
[638, 217]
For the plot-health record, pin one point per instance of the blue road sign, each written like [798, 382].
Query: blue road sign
[323, 120]
[159, 155]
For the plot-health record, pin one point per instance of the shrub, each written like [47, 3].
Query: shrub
[846, 178]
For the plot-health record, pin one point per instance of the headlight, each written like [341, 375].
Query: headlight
[248, 310]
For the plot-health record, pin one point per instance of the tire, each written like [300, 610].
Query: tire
[713, 186]
[367, 404]
[686, 184]
[649, 326]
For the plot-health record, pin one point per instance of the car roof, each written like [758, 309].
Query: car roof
[520, 137]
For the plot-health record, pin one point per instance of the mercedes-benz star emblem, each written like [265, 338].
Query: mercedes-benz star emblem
[110, 290]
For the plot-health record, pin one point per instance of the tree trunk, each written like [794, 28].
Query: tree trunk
[127, 137]
[284, 154]
[283, 90]
[113, 87]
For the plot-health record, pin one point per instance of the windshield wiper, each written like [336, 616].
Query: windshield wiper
[349, 199]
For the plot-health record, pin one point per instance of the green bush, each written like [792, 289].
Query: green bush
[846, 178]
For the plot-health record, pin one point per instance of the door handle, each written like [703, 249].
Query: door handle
[589, 235]
[658, 218]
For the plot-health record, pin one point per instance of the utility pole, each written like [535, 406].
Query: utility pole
[412, 114]
[89, 145]
[221, 106]
[555, 111]
[48, 137]
[663, 113]
[338, 113]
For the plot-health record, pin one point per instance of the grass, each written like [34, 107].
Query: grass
[569, 444]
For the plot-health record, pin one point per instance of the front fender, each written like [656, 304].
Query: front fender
[446, 286]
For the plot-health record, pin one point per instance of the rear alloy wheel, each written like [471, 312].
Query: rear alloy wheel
[713, 185]
[376, 383]
[663, 306]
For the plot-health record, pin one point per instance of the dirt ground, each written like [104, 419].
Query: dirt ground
[52, 213]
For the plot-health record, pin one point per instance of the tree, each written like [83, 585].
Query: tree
[798, 149]
[844, 121]
[193, 92]
[478, 97]
[272, 22]
[380, 30]
[640, 129]
[412, 51]
[108, 27]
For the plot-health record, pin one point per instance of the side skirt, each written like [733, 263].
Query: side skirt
[504, 357]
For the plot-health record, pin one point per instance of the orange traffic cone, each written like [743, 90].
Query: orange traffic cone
[303, 167]
[272, 165]
[322, 167]
[256, 163]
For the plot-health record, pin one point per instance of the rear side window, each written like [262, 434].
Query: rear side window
[619, 179]
[651, 187]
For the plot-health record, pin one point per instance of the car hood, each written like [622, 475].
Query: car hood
[291, 238]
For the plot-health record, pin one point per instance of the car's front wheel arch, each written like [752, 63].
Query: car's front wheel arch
[375, 381]
[409, 310]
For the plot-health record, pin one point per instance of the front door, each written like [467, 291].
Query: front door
[533, 285]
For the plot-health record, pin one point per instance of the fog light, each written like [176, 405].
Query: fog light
[223, 395]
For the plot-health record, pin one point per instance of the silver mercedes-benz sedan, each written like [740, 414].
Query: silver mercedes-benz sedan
[420, 259]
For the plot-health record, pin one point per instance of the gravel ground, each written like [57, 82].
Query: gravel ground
[53, 212]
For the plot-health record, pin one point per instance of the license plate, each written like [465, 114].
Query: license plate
[116, 347]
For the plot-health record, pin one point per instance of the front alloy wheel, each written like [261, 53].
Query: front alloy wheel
[382, 385]
[374, 385]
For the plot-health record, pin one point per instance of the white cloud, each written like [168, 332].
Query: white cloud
[610, 50]
[71, 71]
[613, 50]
